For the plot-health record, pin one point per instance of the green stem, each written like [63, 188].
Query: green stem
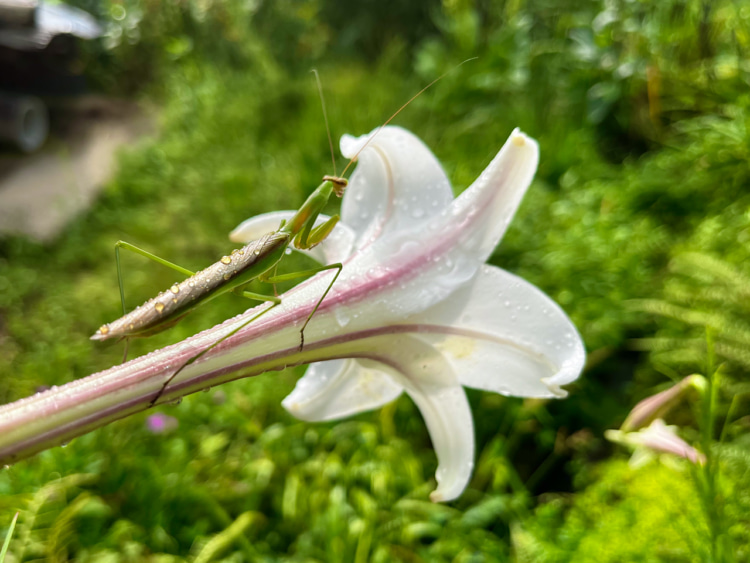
[711, 504]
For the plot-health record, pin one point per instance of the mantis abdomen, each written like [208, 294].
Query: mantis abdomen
[232, 271]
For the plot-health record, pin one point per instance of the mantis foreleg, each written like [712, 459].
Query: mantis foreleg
[146, 254]
[127, 246]
[295, 275]
[207, 349]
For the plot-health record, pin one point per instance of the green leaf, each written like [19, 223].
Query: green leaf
[7, 538]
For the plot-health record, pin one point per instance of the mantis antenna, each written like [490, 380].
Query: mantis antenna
[325, 117]
[399, 110]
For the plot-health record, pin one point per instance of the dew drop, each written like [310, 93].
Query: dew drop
[342, 317]
[104, 329]
[159, 307]
[228, 275]
[175, 289]
[226, 260]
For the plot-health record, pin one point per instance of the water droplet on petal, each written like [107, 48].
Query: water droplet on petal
[342, 317]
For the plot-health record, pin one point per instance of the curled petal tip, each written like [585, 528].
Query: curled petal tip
[521, 139]
[451, 490]
[556, 390]
[436, 496]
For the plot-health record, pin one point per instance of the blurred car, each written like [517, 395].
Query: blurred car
[38, 62]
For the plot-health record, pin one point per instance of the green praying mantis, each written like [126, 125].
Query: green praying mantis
[257, 260]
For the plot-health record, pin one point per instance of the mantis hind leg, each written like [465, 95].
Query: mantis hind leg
[286, 277]
[209, 348]
[127, 246]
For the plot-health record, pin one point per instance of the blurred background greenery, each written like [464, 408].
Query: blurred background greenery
[637, 224]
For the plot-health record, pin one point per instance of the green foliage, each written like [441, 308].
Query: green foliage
[651, 514]
[230, 483]
[641, 111]
[707, 293]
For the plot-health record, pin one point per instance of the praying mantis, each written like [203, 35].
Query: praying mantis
[257, 260]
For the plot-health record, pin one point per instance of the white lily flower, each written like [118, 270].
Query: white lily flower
[415, 308]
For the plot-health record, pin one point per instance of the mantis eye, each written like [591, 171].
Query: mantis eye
[339, 184]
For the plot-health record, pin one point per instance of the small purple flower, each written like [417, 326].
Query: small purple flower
[160, 423]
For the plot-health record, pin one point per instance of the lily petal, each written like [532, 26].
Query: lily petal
[491, 201]
[421, 265]
[506, 336]
[340, 388]
[335, 248]
[398, 184]
[429, 380]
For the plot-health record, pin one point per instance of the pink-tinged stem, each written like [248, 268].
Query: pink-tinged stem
[56, 416]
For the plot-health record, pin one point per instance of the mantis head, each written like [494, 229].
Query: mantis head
[339, 184]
